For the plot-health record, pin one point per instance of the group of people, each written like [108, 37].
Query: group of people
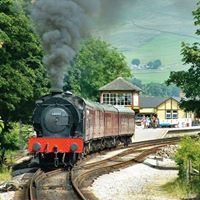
[150, 122]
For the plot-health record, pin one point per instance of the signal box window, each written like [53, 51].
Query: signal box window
[117, 99]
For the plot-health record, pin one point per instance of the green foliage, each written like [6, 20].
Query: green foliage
[5, 173]
[135, 61]
[189, 150]
[154, 64]
[157, 89]
[11, 138]
[96, 65]
[22, 75]
[16, 137]
[188, 81]
[178, 189]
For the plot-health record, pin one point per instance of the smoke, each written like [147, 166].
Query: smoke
[62, 24]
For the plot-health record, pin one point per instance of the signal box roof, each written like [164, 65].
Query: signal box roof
[120, 84]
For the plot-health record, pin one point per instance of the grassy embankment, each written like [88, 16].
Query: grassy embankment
[14, 140]
[187, 185]
[5, 169]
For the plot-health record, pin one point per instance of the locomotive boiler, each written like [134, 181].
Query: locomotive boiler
[68, 127]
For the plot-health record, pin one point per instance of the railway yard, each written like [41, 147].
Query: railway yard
[76, 123]
[134, 172]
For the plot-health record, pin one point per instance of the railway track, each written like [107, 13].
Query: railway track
[85, 173]
[51, 185]
[67, 185]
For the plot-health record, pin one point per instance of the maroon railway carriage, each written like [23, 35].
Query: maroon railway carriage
[67, 126]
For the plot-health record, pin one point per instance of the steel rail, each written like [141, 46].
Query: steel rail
[80, 174]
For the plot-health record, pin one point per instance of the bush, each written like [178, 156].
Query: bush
[136, 61]
[16, 137]
[189, 151]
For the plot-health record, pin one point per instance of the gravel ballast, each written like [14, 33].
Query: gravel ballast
[139, 182]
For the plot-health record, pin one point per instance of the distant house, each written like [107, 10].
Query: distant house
[121, 92]
[167, 110]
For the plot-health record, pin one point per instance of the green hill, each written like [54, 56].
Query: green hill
[150, 30]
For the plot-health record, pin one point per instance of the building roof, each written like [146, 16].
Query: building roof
[120, 84]
[153, 102]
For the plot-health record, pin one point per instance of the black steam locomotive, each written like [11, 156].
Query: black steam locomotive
[68, 126]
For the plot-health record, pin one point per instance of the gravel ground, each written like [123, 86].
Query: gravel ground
[7, 195]
[136, 182]
[13, 185]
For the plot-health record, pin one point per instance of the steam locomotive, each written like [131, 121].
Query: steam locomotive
[68, 127]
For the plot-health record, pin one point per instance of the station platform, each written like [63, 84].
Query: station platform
[142, 134]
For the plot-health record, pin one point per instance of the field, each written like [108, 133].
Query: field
[150, 30]
[148, 76]
[167, 48]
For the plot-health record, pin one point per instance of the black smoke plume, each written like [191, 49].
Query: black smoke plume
[61, 25]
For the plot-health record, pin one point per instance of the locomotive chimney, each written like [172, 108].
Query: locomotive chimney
[56, 91]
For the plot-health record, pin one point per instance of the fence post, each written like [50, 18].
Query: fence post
[190, 169]
[187, 171]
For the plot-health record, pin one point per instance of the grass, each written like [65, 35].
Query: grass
[178, 189]
[5, 174]
[147, 76]
[150, 31]
[5, 170]
[165, 47]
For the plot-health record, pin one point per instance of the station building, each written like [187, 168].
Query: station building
[122, 93]
[167, 110]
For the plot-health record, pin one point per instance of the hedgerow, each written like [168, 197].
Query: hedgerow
[188, 161]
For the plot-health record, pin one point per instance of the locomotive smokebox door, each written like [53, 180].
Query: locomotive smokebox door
[56, 120]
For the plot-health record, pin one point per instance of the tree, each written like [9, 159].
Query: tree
[189, 81]
[136, 82]
[156, 89]
[22, 75]
[96, 64]
[157, 63]
[150, 65]
[154, 64]
[162, 90]
[136, 61]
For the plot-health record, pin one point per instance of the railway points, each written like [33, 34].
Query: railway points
[126, 154]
